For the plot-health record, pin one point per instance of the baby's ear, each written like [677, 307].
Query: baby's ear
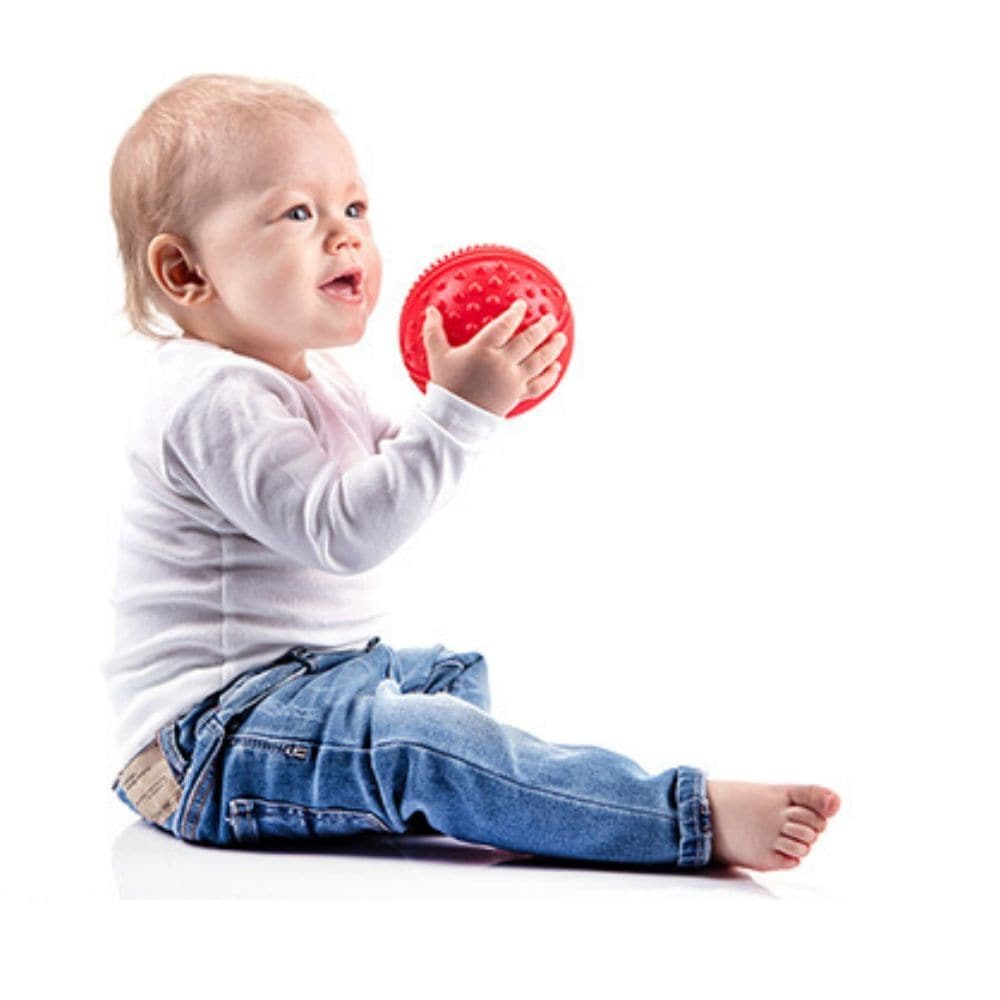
[171, 263]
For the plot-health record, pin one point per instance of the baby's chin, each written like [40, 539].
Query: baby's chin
[341, 337]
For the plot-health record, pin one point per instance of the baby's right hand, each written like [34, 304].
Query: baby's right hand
[495, 370]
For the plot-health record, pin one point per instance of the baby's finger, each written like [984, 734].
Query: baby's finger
[524, 343]
[542, 383]
[543, 356]
[435, 341]
[501, 328]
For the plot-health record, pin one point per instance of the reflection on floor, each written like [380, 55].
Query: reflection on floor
[148, 863]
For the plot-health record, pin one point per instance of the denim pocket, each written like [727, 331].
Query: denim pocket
[202, 734]
[259, 820]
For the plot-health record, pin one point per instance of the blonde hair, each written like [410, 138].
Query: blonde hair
[165, 169]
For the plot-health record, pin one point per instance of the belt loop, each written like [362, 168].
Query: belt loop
[168, 743]
[302, 654]
[372, 643]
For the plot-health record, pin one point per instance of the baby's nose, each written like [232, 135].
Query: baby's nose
[345, 237]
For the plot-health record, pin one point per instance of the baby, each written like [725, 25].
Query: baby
[255, 698]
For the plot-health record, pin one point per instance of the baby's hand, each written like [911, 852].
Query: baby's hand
[495, 370]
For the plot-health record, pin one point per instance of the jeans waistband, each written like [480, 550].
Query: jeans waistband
[313, 653]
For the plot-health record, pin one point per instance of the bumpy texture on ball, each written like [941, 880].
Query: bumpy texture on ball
[472, 286]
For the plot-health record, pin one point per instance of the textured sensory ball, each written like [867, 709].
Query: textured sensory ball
[472, 286]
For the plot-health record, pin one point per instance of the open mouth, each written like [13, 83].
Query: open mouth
[346, 287]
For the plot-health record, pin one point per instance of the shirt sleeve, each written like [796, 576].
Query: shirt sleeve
[243, 450]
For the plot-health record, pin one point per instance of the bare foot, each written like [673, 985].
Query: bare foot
[767, 826]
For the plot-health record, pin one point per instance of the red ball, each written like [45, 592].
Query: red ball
[472, 286]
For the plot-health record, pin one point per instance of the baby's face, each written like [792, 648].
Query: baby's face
[292, 214]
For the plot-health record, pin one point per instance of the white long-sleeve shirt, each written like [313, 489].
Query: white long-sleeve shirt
[259, 509]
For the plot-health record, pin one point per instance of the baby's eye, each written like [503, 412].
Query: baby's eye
[360, 205]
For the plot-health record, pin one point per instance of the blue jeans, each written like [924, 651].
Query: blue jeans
[325, 744]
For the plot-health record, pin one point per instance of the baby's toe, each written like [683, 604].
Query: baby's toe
[799, 831]
[794, 848]
[799, 814]
[815, 797]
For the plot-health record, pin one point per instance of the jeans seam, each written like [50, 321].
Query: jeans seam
[171, 752]
[306, 809]
[188, 822]
[242, 737]
[668, 814]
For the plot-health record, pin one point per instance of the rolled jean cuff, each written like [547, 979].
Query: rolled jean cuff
[694, 818]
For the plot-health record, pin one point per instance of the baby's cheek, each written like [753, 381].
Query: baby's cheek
[373, 285]
[268, 284]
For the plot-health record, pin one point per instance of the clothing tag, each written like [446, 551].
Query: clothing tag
[150, 785]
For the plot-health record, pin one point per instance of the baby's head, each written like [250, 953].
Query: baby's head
[234, 201]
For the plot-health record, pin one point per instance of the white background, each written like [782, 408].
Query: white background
[754, 529]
